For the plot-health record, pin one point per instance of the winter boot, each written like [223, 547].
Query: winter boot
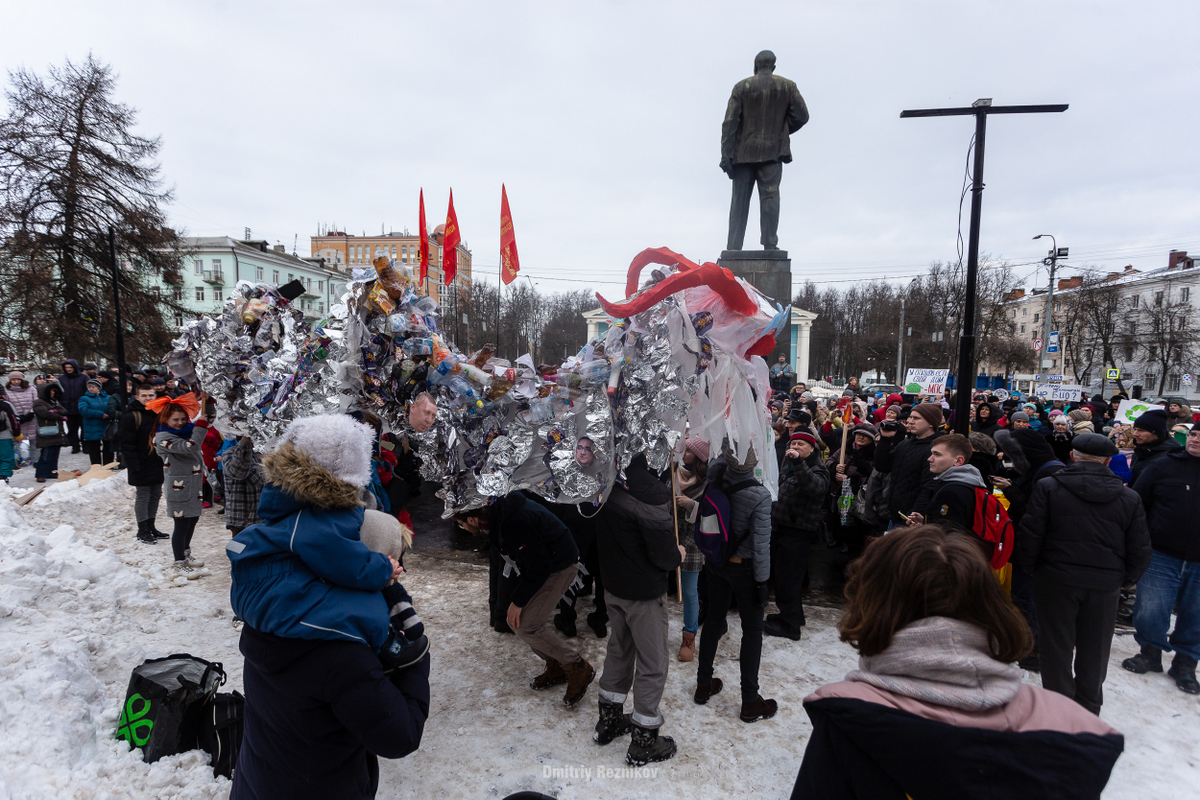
[704, 692]
[687, 650]
[145, 534]
[566, 626]
[1149, 660]
[613, 723]
[758, 709]
[157, 533]
[399, 653]
[579, 678]
[647, 747]
[777, 627]
[1183, 670]
[194, 563]
[598, 623]
[552, 676]
[180, 569]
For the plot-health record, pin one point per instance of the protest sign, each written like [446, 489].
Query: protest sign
[929, 381]
[1066, 392]
[1130, 410]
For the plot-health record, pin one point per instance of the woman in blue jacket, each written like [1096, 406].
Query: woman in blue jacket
[98, 410]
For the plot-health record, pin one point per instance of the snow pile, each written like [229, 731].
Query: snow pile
[73, 623]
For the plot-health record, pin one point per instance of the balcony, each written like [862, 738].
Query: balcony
[214, 276]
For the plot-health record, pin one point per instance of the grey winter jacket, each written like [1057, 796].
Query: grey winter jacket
[750, 517]
[803, 485]
[184, 470]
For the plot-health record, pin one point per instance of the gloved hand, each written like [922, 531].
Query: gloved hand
[760, 593]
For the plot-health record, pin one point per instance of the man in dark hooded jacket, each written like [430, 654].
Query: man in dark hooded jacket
[1083, 535]
[1153, 440]
[911, 483]
[74, 386]
[637, 545]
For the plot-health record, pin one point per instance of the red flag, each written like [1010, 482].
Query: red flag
[510, 265]
[423, 248]
[450, 240]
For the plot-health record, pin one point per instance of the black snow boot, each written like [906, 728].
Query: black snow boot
[1149, 660]
[399, 653]
[1183, 670]
[613, 723]
[145, 532]
[647, 747]
[566, 626]
[598, 623]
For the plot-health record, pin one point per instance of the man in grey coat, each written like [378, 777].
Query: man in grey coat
[744, 577]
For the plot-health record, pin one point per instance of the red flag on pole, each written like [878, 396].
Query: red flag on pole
[510, 265]
[423, 248]
[450, 240]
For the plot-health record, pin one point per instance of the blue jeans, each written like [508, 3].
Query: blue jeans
[691, 602]
[47, 463]
[1166, 582]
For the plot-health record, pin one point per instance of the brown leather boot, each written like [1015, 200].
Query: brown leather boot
[757, 709]
[553, 676]
[687, 650]
[579, 677]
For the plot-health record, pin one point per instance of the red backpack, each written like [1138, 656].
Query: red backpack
[993, 525]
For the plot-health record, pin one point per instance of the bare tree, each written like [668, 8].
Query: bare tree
[70, 168]
[1168, 338]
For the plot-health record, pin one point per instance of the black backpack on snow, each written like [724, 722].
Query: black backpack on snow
[221, 731]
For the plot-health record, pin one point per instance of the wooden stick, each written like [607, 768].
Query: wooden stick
[675, 515]
[845, 432]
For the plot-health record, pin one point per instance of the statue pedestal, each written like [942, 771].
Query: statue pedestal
[769, 271]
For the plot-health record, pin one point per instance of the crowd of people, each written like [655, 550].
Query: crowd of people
[1105, 530]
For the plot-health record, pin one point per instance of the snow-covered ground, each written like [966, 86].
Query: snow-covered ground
[82, 603]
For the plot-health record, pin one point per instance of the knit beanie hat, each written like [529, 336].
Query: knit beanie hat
[802, 436]
[335, 442]
[746, 466]
[1085, 426]
[699, 448]
[383, 533]
[1079, 415]
[1019, 416]
[96, 383]
[982, 443]
[1154, 421]
[1055, 413]
[16, 376]
[866, 428]
[930, 412]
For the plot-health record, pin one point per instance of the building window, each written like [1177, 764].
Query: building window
[1014, 313]
[358, 253]
[321, 307]
[404, 253]
[1088, 355]
[1184, 294]
[258, 273]
[200, 293]
[1152, 352]
[178, 319]
[1024, 312]
[1158, 298]
[216, 266]
[198, 265]
[1035, 317]
[393, 252]
[320, 286]
[275, 277]
[1173, 383]
[291, 277]
[1022, 328]
[1129, 353]
[308, 284]
[218, 294]
[177, 294]
[1150, 381]
[1135, 300]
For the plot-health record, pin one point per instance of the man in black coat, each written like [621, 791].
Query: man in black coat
[318, 715]
[74, 386]
[637, 545]
[795, 525]
[1082, 537]
[911, 484]
[1170, 492]
[143, 467]
[1153, 441]
[540, 548]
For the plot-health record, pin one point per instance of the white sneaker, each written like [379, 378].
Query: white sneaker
[192, 562]
[182, 569]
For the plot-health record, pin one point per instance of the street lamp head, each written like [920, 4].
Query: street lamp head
[1040, 235]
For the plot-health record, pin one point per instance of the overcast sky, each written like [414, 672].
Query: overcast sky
[604, 120]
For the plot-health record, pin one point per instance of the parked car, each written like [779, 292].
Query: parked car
[871, 389]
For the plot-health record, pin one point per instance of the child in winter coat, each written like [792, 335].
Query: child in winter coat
[177, 443]
[304, 572]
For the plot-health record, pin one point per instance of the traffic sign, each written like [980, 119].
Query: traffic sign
[1052, 347]
[1114, 375]
[1037, 345]
[1187, 378]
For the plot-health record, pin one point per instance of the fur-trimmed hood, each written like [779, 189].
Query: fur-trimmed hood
[299, 475]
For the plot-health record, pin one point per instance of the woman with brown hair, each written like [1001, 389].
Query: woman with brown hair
[936, 708]
[177, 442]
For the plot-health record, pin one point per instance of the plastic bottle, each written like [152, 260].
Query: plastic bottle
[392, 282]
[475, 373]
[448, 363]
[417, 346]
[462, 390]
[594, 372]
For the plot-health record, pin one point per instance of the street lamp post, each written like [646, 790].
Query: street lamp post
[1052, 262]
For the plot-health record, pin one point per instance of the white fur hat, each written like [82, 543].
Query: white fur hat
[385, 534]
[336, 442]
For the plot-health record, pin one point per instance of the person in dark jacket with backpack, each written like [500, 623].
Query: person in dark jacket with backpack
[542, 551]
[637, 545]
[1082, 537]
[795, 525]
[911, 483]
[143, 467]
[319, 713]
[1170, 492]
[744, 575]
[952, 504]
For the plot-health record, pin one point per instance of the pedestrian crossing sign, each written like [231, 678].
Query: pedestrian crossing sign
[1114, 375]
